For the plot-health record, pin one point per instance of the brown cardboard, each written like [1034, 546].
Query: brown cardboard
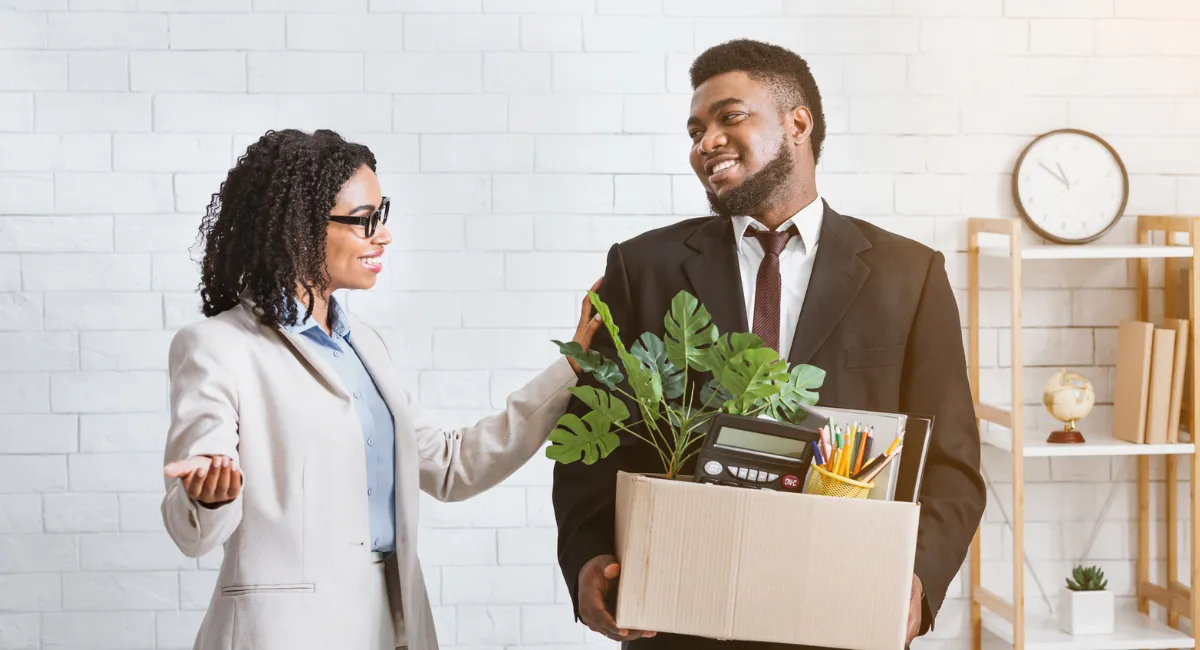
[759, 565]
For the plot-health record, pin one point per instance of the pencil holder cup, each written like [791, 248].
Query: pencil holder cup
[826, 483]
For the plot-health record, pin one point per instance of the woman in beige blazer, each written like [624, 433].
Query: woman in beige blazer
[291, 444]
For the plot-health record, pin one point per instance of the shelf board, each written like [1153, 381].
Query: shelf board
[1132, 631]
[1096, 444]
[997, 246]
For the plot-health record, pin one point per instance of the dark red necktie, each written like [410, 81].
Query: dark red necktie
[769, 287]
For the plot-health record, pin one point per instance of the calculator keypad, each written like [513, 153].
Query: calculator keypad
[754, 475]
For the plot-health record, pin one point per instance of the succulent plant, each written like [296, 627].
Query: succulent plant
[1087, 579]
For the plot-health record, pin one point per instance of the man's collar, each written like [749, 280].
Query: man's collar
[807, 222]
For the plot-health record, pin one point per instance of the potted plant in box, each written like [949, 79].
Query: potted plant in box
[656, 377]
[1085, 605]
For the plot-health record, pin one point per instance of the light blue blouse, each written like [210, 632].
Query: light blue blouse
[378, 427]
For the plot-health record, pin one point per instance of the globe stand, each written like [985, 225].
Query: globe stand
[1067, 435]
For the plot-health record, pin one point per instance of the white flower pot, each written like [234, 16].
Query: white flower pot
[1086, 612]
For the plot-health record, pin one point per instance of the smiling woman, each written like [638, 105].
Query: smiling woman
[291, 445]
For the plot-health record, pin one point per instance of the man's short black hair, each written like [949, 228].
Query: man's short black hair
[784, 71]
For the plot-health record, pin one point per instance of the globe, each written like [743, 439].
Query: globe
[1069, 397]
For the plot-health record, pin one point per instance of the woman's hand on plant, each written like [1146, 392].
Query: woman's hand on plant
[596, 579]
[588, 325]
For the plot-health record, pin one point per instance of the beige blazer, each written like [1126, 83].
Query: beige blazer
[293, 574]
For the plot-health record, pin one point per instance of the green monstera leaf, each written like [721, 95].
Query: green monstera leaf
[690, 332]
[728, 347]
[605, 370]
[646, 383]
[650, 350]
[753, 375]
[713, 394]
[590, 438]
[602, 402]
[611, 325]
[797, 392]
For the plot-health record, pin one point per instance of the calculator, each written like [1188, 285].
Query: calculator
[750, 452]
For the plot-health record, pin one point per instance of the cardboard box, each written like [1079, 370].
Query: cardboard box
[758, 565]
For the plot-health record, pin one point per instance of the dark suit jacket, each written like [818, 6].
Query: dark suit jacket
[879, 317]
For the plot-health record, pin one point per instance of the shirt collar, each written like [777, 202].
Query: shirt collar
[807, 221]
[341, 324]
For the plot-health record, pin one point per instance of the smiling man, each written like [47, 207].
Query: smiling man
[875, 310]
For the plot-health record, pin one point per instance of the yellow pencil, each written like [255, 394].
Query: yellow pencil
[892, 447]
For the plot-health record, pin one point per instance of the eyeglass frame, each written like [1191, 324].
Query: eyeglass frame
[366, 222]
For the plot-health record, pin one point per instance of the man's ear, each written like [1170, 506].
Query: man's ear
[799, 124]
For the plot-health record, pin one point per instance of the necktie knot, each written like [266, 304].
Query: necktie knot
[773, 241]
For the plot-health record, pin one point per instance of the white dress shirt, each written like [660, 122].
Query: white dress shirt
[795, 266]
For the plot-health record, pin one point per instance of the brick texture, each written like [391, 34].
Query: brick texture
[519, 138]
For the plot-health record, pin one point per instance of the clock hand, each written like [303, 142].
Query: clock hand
[1064, 174]
[1051, 172]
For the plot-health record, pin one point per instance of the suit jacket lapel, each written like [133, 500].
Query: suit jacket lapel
[837, 276]
[324, 372]
[715, 275]
[375, 359]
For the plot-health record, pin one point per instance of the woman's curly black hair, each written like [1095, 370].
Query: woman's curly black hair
[264, 231]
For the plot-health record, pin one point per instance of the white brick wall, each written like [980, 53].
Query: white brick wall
[519, 138]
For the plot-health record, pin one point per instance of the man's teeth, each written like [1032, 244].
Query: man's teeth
[725, 165]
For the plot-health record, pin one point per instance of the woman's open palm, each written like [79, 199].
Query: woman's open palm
[208, 479]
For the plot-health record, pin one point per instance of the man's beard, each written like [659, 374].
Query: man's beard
[757, 190]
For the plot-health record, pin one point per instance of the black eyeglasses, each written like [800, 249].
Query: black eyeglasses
[371, 222]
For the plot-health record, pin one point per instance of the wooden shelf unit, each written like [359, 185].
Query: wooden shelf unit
[1134, 629]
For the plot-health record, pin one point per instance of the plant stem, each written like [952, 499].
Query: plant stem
[661, 457]
[648, 418]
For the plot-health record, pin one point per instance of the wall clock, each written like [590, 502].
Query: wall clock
[1070, 186]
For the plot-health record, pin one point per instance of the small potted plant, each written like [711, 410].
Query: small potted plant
[659, 393]
[1085, 606]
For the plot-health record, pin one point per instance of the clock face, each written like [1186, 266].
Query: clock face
[1070, 186]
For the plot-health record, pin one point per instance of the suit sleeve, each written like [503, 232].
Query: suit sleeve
[459, 463]
[204, 422]
[952, 492]
[584, 496]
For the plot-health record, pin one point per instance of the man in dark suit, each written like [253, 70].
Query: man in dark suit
[873, 309]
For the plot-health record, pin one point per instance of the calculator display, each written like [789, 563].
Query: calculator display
[761, 443]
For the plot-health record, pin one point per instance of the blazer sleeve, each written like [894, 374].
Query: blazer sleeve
[204, 422]
[457, 464]
[952, 492]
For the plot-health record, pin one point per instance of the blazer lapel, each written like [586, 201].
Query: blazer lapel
[324, 372]
[319, 366]
[837, 276]
[715, 275]
[375, 360]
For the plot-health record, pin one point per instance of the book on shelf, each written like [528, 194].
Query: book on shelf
[1148, 392]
